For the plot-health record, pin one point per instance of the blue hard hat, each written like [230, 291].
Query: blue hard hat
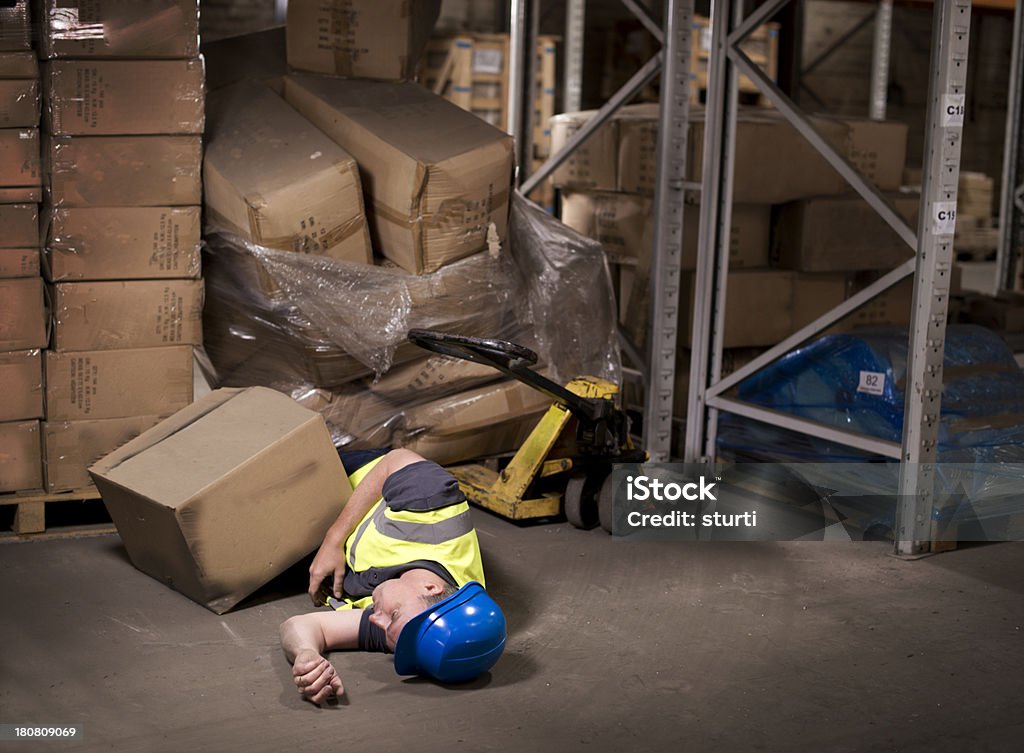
[455, 640]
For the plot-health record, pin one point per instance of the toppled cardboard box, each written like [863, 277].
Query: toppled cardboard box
[435, 175]
[121, 243]
[118, 383]
[224, 495]
[119, 29]
[19, 225]
[134, 314]
[118, 171]
[624, 225]
[20, 165]
[377, 39]
[70, 447]
[21, 465]
[841, 233]
[592, 167]
[114, 97]
[23, 322]
[19, 90]
[21, 384]
[274, 178]
[19, 262]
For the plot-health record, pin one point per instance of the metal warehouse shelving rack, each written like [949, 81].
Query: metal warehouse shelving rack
[933, 241]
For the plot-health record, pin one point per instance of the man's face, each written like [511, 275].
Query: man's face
[395, 602]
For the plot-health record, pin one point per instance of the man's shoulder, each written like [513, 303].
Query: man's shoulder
[422, 486]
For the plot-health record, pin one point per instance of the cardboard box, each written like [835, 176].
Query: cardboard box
[21, 465]
[135, 314]
[113, 97]
[274, 178]
[20, 166]
[22, 314]
[378, 39]
[105, 171]
[841, 233]
[263, 484]
[432, 376]
[487, 421]
[773, 162]
[15, 26]
[24, 195]
[259, 56]
[19, 90]
[624, 225]
[121, 243]
[592, 166]
[759, 308]
[890, 309]
[878, 148]
[70, 447]
[1003, 312]
[816, 294]
[435, 175]
[732, 359]
[19, 262]
[118, 383]
[119, 28]
[19, 225]
[21, 384]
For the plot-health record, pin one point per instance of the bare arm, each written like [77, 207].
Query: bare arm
[306, 637]
[330, 558]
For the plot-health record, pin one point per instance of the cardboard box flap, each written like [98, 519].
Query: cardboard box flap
[204, 444]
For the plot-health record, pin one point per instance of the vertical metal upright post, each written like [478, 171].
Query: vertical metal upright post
[943, 138]
[1011, 199]
[516, 71]
[712, 163]
[667, 253]
[575, 26]
[880, 59]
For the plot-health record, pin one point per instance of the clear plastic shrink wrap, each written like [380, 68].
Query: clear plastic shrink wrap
[333, 335]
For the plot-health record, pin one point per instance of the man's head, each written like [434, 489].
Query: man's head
[398, 600]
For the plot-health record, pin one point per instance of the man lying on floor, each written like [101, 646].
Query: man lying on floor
[402, 572]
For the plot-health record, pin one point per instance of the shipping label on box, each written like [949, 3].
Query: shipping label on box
[21, 465]
[263, 484]
[121, 243]
[21, 384]
[19, 262]
[70, 447]
[435, 175]
[19, 225]
[841, 233]
[23, 323]
[274, 178]
[374, 39]
[118, 383]
[135, 314]
[20, 164]
[593, 165]
[113, 97]
[105, 171]
[119, 28]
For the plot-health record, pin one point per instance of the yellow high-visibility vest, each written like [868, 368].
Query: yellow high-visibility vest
[387, 538]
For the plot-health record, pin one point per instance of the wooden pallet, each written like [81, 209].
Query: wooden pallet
[30, 513]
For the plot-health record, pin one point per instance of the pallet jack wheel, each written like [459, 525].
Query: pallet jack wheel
[580, 502]
[606, 506]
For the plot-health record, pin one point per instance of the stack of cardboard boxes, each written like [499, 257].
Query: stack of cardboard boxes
[23, 327]
[800, 242]
[123, 106]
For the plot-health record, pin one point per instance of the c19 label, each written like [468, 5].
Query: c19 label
[953, 109]
[943, 217]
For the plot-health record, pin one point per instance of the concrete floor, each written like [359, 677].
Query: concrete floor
[614, 646]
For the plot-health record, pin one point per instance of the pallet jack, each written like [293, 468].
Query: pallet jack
[565, 463]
